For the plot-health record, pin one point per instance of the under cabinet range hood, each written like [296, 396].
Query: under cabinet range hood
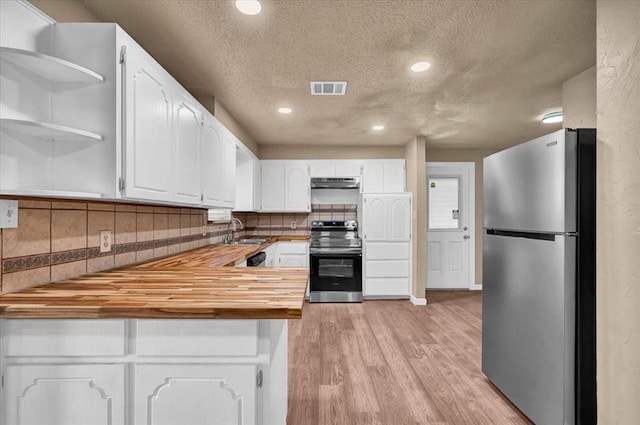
[335, 182]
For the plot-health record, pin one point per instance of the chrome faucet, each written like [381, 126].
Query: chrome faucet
[231, 231]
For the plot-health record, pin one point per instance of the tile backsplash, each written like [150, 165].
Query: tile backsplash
[59, 239]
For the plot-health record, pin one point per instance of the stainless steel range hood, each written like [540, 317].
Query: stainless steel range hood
[335, 182]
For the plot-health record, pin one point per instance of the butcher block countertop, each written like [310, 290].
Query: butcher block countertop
[189, 285]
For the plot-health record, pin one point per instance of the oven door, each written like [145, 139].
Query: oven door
[336, 272]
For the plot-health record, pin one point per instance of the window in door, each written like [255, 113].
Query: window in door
[444, 201]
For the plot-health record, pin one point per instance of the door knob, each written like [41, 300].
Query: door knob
[467, 237]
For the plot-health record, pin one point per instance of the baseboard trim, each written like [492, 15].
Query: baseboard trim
[418, 301]
[476, 287]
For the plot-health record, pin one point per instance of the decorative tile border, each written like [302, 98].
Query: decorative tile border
[10, 265]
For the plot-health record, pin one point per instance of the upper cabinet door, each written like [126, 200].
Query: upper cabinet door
[394, 177]
[348, 168]
[272, 187]
[212, 154]
[373, 177]
[229, 170]
[147, 144]
[187, 131]
[297, 195]
[398, 224]
[374, 217]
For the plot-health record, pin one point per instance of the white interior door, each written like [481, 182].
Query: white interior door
[450, 222]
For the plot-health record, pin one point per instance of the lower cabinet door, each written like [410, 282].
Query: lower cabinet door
[195, 394]
[64, 394]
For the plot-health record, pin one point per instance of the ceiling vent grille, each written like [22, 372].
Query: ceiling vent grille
[328, 88]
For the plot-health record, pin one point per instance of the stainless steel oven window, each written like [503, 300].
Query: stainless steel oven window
[335, 268]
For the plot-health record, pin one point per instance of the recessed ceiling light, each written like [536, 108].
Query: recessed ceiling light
[378, 127]
[285, 110]
[552, 117]
[420, 66]
[249, 7]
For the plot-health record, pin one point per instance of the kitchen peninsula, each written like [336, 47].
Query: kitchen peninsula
[152, 344]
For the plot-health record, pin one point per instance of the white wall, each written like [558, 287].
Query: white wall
[618, 215]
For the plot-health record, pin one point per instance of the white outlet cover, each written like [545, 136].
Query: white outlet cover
[8, 213]
[105, 241]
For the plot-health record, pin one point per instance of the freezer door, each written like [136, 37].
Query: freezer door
[532, 186]
[528, 319]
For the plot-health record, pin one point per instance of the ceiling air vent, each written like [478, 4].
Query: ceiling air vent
[328, 88]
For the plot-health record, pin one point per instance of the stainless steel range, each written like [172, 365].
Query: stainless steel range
[335, 262]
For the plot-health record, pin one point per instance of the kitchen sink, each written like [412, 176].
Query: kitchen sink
[247, 242]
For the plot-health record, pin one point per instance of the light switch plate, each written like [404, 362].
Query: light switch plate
[8, 213]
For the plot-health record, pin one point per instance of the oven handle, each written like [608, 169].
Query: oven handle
[334, 253]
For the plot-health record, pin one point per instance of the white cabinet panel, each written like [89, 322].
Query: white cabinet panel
[374, 218]
[41, 394]
[297, 196]
[187, 158]
[298, 247]
[285, 187]
[389, 268]
[195, 394]
[293, 254]
[383, 176]
[197, 337]
[148, 107]
[322, 169]
[387, 251]
[212, 171]
[387, 287]
[399, 218]
[294, 261]
[229, 170]
[73, 337]
[348, 169]
[272, 187]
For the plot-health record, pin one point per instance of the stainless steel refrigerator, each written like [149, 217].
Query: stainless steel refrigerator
[538, 302]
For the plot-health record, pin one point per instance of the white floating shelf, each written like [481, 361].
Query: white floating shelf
[51, 193]
[48, 131]
[49, 67]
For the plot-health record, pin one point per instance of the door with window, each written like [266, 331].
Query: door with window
[450, 221]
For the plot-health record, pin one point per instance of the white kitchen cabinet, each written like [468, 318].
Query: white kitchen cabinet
[272, 187]
[188, 129]
[297, 188]
[335, 168]
[285, 187]
[212, 156]
[272, 255]
[42, 394]
[195, 394]
[229, 170]
[386, 234]
[115, 125]
[161, 372]
[383, 176]
[293, 254]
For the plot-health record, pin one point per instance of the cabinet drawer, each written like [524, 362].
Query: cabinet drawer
[396, 268]
[387, 251]
[197, 337]
[386, 288]
[63, 337]
[292, 247]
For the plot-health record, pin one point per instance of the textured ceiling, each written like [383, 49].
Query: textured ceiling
[497, 66]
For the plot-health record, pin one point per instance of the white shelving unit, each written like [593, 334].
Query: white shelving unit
[48, 131]
[48, 67]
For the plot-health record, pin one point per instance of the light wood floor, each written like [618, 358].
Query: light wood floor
[393, 363]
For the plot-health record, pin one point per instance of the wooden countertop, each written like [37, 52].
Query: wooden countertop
[189, 285]
[170, 293]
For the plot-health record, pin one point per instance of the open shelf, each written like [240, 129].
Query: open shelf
[50, 193]
[49, 67]
[48, 131]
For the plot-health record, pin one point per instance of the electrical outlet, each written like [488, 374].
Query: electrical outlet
[293, 224]
[204, 230]
[8, 214]
[105, 241]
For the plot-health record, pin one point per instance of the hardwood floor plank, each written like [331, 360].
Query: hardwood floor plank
[393, 363]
